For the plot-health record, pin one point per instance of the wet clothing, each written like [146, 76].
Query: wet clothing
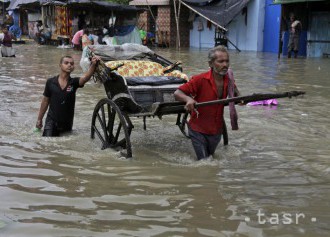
[54, 129]
[204, 145]
[294, 35]
[61, 105]
[7, 51]
[206, 126]
[6, 48]
[6, 40]
[202, 88]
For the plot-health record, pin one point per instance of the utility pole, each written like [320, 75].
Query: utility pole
[177, 8]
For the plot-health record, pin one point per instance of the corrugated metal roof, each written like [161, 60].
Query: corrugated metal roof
[150, 2]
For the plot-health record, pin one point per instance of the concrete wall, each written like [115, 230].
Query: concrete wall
[201, 38]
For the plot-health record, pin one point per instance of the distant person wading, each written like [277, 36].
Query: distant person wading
[6, 43]
[294, 27]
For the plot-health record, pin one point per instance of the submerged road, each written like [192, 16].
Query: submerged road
[272, 179]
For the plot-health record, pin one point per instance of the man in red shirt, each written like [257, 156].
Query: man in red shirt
[206, 123]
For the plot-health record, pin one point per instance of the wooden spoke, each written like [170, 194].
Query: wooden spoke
[112, 126]
[115, 140]
[101, 138]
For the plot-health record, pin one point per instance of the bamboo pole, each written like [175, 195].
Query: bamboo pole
[153, 17]
[177, 15]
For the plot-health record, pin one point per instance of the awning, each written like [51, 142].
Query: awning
[220, 13]
[103, 4]
[14, 4]
[52, 2]
[150, 3]
[294, 1]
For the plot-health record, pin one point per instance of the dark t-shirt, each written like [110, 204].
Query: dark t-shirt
[61, 102]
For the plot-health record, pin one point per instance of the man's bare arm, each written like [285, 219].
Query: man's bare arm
[181, 96]
[85, 78]
[43, 108]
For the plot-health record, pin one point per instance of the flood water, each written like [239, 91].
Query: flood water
[272, 180]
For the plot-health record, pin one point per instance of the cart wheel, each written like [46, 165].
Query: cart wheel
[111, 126]
[225, 134]
[182, 123]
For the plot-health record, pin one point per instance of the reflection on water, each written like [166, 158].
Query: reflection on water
[276, 164]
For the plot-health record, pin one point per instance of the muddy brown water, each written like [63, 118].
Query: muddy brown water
[272, 179]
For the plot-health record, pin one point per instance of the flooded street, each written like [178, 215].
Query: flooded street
[272, 180]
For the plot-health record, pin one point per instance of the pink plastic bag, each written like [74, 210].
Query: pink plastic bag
[264, 102]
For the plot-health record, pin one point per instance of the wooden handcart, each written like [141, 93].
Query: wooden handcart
[137, 96]
[143, 96]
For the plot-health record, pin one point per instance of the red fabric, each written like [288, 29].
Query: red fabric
[202, 88]
[231, 93]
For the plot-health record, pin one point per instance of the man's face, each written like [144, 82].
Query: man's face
[221, 63]
[5, 30]
[67, 65]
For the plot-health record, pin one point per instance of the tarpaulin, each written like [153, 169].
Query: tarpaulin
[14, 4]
[219, 12]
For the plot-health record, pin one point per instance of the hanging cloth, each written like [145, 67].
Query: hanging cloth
[232, 109]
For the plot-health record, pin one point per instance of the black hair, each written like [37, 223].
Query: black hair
[67, 56]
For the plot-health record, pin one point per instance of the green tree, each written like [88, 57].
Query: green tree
[124, 2]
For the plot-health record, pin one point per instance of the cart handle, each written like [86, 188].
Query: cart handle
[171, 67]
[92, 54]
[116, 67]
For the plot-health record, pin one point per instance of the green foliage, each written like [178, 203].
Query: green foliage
[124, 2]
